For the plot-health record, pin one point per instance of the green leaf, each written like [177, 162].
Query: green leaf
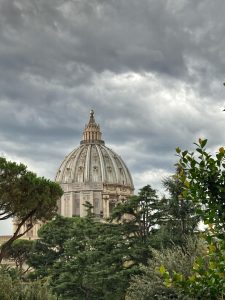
[195, 266]
[192, 278]
[168, 282]
[184, 153]
[212, 248]
[187, 183]
[203, 142]
[222, 150]
[199, 150]
[162, 270]
[178, 150]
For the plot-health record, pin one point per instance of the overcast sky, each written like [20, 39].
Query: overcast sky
[153, 71]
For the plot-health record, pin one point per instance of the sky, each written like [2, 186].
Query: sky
[152, 70]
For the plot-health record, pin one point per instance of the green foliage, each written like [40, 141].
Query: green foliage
[50, 247]
[26, 197]
[20, 251]
[37, 291]
[22, 192]
[84, 258]
[150, 284]
[10, 194]
[203, 179]
[179, 217]
[156, 223]
[9, 288]
[206, 279]
[87, 259]
[99, 264]
[12, 287]
[140, 215]
[140, 212]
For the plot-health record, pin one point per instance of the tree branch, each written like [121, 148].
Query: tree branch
[15, 236]
[7, 216]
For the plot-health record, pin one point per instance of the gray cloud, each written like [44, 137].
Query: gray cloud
[152, 70]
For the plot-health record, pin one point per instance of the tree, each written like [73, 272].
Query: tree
[143, 211]
[180, 219]
[99, 264]
[12, 287]
[26, 197]
[84, 258]
[49, 248]
[206, 279]
[19, 252]
[203, 179]
[150, 284]
[141, 217]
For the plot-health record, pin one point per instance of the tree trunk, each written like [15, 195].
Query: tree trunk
[5, 247]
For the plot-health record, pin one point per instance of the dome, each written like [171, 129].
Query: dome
[94, 173]
[94, 163]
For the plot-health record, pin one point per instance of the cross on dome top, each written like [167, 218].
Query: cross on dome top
[92, 119]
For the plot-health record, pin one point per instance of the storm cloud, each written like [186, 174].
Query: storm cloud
[152, 70]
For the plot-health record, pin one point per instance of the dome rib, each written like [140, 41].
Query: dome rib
[76, 154]
[87, 165]
[101, 163]
[113, 163]
[127, 173]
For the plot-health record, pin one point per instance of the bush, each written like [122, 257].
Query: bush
[150, 285]
[12, 287]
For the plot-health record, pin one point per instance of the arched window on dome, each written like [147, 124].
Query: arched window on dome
[67, 174]
[80, 174]
[95, 174]
[109, 173]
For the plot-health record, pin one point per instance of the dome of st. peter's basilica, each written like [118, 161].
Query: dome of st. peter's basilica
[94, 173]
